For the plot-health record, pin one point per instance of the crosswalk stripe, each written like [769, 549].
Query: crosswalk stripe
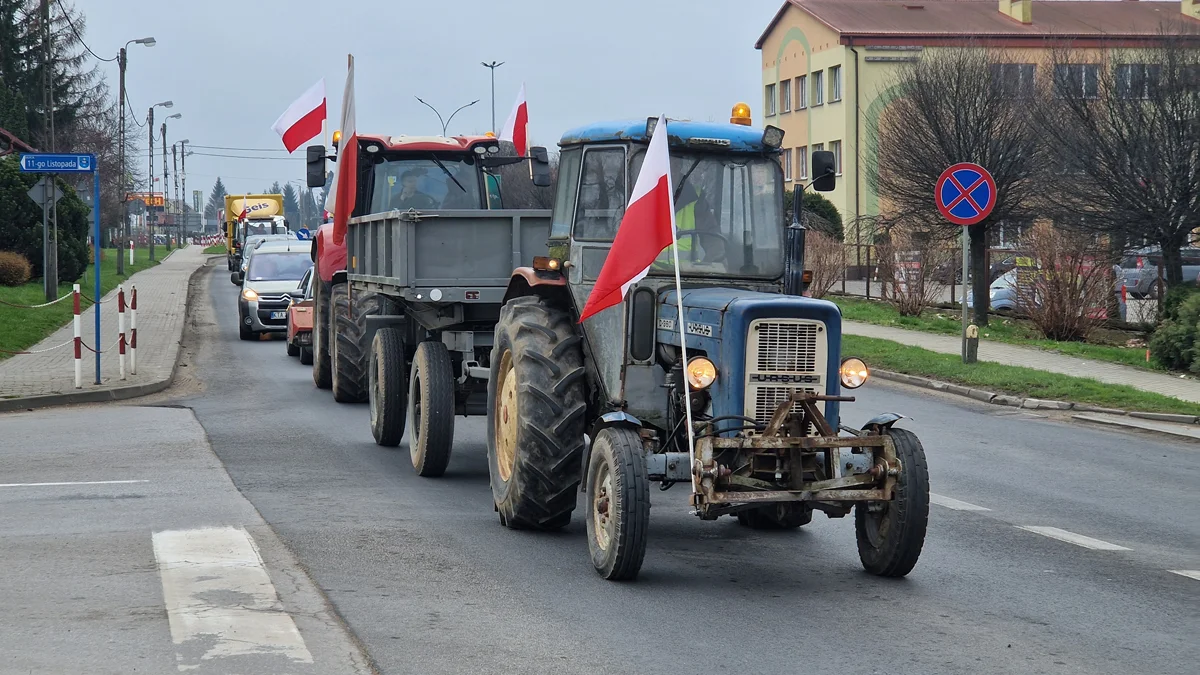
[1072, 538]
[1191, 574]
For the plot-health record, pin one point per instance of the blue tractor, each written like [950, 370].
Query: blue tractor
[600, 406]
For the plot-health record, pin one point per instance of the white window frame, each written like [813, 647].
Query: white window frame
[770, 100]
[835, 84]
[787, 165]
[785, 97]
[836, 147]
[818, 88]
[802, 162]
[802, 92]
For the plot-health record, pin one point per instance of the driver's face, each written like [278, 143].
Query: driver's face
[409, 182]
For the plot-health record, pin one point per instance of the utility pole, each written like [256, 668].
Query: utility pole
[49, 243]
[124, 229]
[175, 169]
[183, 189]
[166, 202]
[150, 182]
[492, 67]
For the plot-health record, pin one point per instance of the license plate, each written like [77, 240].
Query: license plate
[279, 315]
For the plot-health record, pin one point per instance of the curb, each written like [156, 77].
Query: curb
[112, 393]
[1029, 403]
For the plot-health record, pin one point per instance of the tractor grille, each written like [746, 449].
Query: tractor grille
[782, 357]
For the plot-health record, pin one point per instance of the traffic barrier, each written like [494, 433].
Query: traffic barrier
[78, 341]
[133, 331]
[130, 251]
[121, 329]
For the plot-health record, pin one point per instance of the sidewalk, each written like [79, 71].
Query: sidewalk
[33, 380]
[998, 352]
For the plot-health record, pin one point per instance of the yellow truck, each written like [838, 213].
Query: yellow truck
[247, 215]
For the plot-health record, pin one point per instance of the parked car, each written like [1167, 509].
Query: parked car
[269, 284]
[1140, 270]
[1002, 295]
[300, 322]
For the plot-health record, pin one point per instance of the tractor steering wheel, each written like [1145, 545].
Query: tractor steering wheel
[709, 256]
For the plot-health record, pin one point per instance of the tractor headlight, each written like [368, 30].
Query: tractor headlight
[853, 373]
[701, 373]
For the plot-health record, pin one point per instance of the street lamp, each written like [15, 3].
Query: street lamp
[181, 185]
[164, 164]
[150, 170]
[122, 61]
[492, 67]
[439, 115]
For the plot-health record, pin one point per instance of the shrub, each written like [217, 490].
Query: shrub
[824, 256]
[1066, 294]
[909, 258]
[15, 269]
[1173, 344]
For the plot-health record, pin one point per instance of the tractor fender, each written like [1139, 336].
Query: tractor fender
[528, 281]
[883, 421]
[615, 418]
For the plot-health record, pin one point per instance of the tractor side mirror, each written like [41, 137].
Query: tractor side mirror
[315, 165]
[541, 166]
[823, 171]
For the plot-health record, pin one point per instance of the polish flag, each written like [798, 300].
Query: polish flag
[302, 120]
[340, 201]
[516, 129]
[647, 228]
[245, 209]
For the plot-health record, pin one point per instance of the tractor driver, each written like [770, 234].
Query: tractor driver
[698, 228]
[408, 196]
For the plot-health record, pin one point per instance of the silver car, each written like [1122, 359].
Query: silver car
[1003, 298]
[269, 284]
[1140, 270]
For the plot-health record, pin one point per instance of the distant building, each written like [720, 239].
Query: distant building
[829, 66]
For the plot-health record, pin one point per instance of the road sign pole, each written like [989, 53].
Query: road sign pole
[965, 194]
[966, 256]
[51, 293]
[96, 261]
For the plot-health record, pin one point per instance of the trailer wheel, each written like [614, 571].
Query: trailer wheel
[781, 516]
[890, 534]
[348, 353]
[537, 403]
[322, 373]
[431, 409]
[293, 349]
[387, 388]
[618, 501]
[306, 356]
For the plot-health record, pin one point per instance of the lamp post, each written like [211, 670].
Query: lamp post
[181, 183]
[492, 67]
[122, 193]
[166, 202]
[439, 115]
[150, 170]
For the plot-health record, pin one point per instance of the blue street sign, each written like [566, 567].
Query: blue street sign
[303, 234]
[965, 194]
[45, 162]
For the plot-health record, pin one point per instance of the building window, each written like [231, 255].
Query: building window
[802, 162]
[817, 147]
[1015, 79]
[785, 97]
[787, 165]
[770, 100]
[801, 92]
[836, 148]
[818, 89]
[835, 83]
[1137, 80]
[1077, 80]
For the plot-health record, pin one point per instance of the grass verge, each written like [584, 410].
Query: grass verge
[23, 328]
[1105, 345]
[219, 249]
[1004, 379]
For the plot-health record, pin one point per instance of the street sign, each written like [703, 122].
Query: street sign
[303, 234]
[149, 198]
[42, 189]
[965, 194]
[45, 162]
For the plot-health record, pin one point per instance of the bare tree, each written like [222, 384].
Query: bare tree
[959, 105]
[1124, 134]
[1065, 294]
[910, 259]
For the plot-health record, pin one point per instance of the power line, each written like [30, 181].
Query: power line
[79, 37]
[132, 114]
[222, 147]
[217, 154]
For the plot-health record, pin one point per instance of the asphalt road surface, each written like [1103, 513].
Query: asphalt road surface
[1052, 547]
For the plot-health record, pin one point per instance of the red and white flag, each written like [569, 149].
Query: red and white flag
[245, 208]
[647, 228]
[340, 201]
[303, 118]
[516, 129]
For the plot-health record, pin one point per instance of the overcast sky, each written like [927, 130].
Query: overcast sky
[231, 67]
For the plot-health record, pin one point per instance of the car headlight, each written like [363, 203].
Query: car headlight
[701, 373]
[992, 293]
[249, 294]
[853, 373]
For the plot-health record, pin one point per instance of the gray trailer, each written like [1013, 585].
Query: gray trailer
[442, 276]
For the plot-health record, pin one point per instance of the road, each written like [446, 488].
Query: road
[427, 581]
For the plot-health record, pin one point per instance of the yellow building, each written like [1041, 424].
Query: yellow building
[829, 66]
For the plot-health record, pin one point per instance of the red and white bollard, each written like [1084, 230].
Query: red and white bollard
[133, 330]
[78, 341]
[130, 251]
[121, 328]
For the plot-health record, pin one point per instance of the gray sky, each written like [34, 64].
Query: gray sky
[232, 67]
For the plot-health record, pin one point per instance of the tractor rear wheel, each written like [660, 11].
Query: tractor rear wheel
[537, 404]
[890, 534]
[781, 516]
[348, 352]
[387, 387]
[431, 409]
[293, 349]
[322, 372]
[618, 498]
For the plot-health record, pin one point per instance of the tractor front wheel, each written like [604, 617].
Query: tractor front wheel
[890, 534]
[619, 504]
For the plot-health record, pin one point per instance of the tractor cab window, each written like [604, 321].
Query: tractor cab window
[450, 182]
[601, 194]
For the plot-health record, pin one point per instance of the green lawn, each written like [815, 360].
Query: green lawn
[1003, 379]
[22, 328]
[1105, 345]
[219, 249]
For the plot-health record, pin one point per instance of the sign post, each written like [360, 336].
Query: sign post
[45, 193]
[46, 162]
[965, 195]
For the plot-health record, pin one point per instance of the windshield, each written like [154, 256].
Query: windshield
[426, 183]
[267, 266]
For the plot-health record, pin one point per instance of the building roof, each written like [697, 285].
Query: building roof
[10, 143]
[1065, 19]
[740, 138]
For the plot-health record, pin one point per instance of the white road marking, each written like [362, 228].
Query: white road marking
[1191, 574]
[951, 503]
[81, 482]
[220, 600]
[1072, 538]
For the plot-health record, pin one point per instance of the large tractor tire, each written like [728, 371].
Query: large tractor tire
[890, 535]
[348, 351]
[388, 387]
[322, 371]
[537, 403]
[431, 409]
[618, 497]
[781, 516]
